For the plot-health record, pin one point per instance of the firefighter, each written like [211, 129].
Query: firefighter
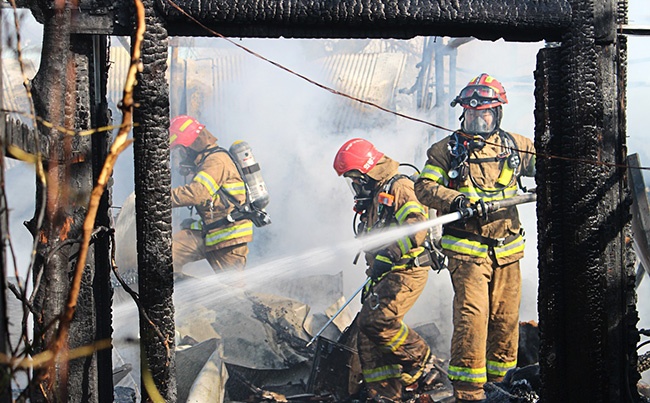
[392, 355]
[477, 164]
[215, 187]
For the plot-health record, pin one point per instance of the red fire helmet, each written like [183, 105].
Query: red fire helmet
[356, 154]
[183, 130]
[482, 92]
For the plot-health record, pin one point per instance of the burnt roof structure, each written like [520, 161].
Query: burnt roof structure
[586, 292]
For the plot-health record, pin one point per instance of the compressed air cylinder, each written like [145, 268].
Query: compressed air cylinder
[259, 195]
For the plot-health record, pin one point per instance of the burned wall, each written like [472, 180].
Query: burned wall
[586, 318]
[587, 347]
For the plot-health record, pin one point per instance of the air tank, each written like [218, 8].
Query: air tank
[259, 195]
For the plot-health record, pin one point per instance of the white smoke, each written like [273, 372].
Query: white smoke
[287, 122]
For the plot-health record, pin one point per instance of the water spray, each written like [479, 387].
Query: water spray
[189, 293]
[382, 238]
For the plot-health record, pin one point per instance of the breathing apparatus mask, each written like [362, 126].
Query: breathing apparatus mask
[185, 157]
[362, 187]
[480, 122]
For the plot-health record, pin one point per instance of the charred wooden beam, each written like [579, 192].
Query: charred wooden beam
[512, 20]
[153, 210]
[63, 90]
[101, 282]
[509, 19]
[583, 210]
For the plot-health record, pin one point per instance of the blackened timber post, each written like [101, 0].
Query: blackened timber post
[102, 289]
[587, 351]
[61, 92]
[153, 211]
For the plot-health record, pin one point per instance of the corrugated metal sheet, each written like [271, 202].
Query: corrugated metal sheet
[205, 80]
[372, 77]
[14, 93]
[120, 61]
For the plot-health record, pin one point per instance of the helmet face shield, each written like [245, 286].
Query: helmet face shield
[480, 122]
[361, 186]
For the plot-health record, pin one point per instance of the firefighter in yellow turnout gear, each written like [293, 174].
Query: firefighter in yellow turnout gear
[392, 355]
[480, 163]
[215, 188]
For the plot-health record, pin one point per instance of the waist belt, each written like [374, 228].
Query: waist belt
[491, 242]
[227, 220]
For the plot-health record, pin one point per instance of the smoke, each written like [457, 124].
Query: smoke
[637, 92]
[292, 128]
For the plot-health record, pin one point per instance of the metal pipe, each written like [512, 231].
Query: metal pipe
[338, 312]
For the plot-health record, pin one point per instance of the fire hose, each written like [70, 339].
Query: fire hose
[479, 209]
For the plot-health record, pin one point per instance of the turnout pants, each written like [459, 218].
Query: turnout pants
[392, 355]
[189, 246]
[486, 324]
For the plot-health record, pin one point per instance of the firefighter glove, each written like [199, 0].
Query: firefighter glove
[380, 266]
[462, 205]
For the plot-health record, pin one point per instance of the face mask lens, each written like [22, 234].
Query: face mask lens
[479, 122]
[351, 185]
[356, 185]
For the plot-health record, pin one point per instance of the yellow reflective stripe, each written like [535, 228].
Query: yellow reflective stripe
[381, 373]
[474, 375]
[489, 194]
[465, 246]
[384, 259]
[408, 208]
[435, 174]
[225, 234]
[172, 138]
[412, 254]
[409, 379]
[506, 174]
[197, 225]
[184, 125]
[511, 248]
[500, 368]
[404, 244]
[235, 188]
[206, 180]
[398, 340]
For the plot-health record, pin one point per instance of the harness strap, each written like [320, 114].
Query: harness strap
[386, 213]
[491, 242]
[480, 160]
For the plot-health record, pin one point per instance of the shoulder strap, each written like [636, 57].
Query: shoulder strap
[385, 212]
[220, 149]
[389, 184]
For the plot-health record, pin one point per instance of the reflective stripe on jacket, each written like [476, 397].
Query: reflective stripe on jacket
[478, 249]
[490, 179]
[406, 210]
[216, 173]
